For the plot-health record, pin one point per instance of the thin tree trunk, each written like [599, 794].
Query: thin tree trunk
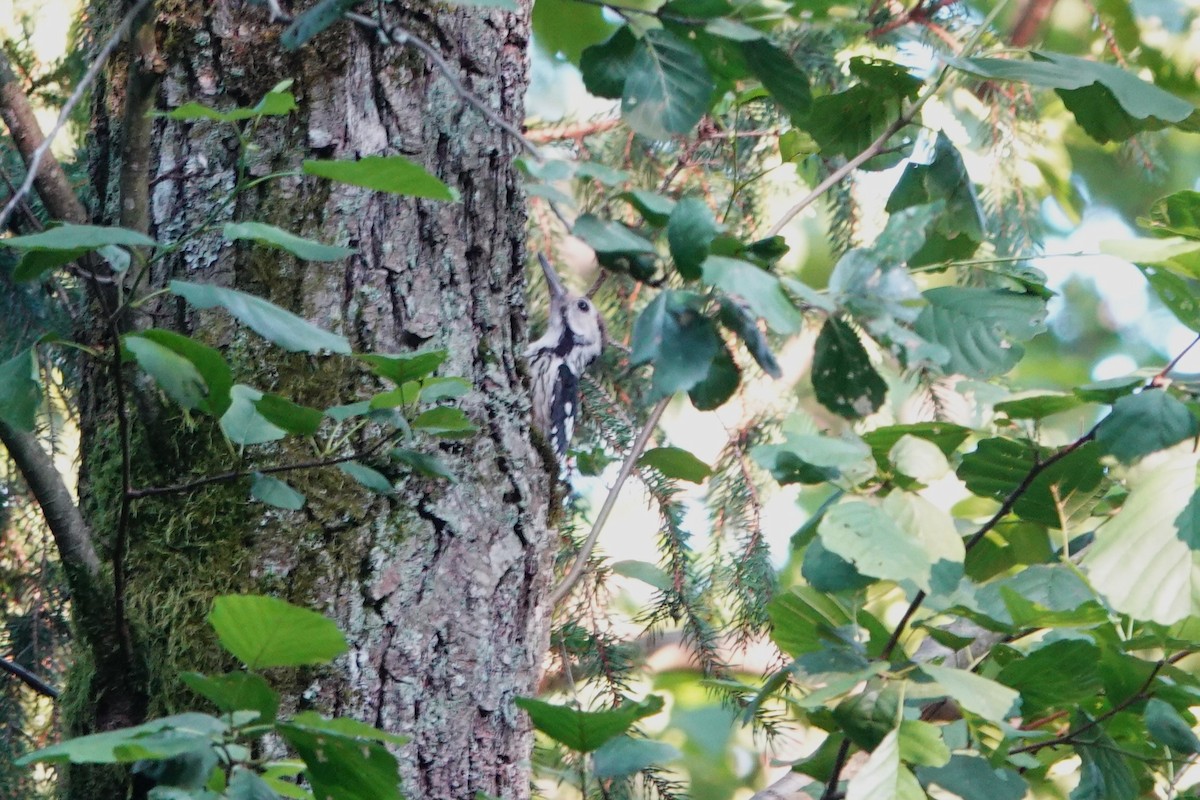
[438, 586]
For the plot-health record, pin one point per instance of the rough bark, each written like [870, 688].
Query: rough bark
[435, 586]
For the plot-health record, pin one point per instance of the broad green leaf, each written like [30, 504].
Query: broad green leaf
[815, 459]
[975, 693]
[78, 237]
[616, 246]
[719, 384]
[882, 777]
[675, 336]
[1176, 214]
[428, 465]
[391, 174]
[236, 691]
[626, 755]
[585, 731]
[401, 369]
[276, 103]
[20, 390]
[372, 479]
[268, 320]
[1050, 590]
[904, 538]
[869, 716]
[1178, 294]
[445, 421]
[1104, 773]
[275, 492]
[732, 29]
[886, 76]
[434, 390]
[290, 416]
[973, 778]
[957, 229]
[947, 436]
[1166, 727]
[1143, 423]
[1138, 561]
[922, 743]
[655, 208]
[919, 459]
[760, 289]
[690, 232]
[313, 21]
[667, 88]
[566, 27]
[283, 240]
[1108, 102]
[980, 328]
[828, 572]
[1181, 256]
[605, 66]
[216, 375]
[126, 745]
[264, 632]
[781, 76]
[344, 767]
[247, 785]
[346, 727]
[242, 423]
[805, 620]
[644, 571]
[675, 462]
[738, 318]
[1056, 675]
[843, 377]
[1108, 391]
[174, 374]
[1038, 406]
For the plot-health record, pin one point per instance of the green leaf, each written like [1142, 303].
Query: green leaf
[980, 327]
[275, 492]
[738, 318]
[674, 335]
[216, 375]
[1104, 772]
[268, 320]
[401, 369]
[719, 384]
[1049, 591]
[1138, 561]
[1178, 294]
[372, 479]
[346, 727]
[566, 27]
[944, 179]
[643, 571]
[290, 416]
[843, 377]
[828, 572]
[975, 693]
[868, 717]
[667, 88]
[428, 465]
[1166, 727]
[445, 421]
[675, 462]
[1143, 423]
[1038, 406]
[605, 66]
[585, 731]
[1108, 391]
[625, 755]
[276, 103]
[344, 767]
[815, 459]
[690, 233]
[313, 21]
[655, 208]
[882, 777]
[781, 76]
[247, 785]
[20, 391]
[159, 738]
[174, 374]
[242, 423]
[264, 632]
[922, 743]
[391, 174]
[1056, 675]
[804, 620]
[919, 459]
[760, 289]
[973, 778]
[1181, 256]
[947, 436]
[904, 538]
[1108, 102]
[70, 237]
[283, 240]
[236, 691]
[1176, 214]
[616, 246]
[847, 122]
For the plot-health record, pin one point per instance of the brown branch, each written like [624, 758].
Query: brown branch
[1030, 17]
[573, 130]
[28, 678]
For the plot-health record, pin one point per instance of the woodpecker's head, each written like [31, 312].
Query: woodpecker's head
[574, 329]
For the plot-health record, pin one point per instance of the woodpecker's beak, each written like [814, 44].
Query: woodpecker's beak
[557, 291]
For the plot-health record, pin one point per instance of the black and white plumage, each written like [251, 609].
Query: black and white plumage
[573, 339]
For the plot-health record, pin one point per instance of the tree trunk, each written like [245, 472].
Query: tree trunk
[439, 586]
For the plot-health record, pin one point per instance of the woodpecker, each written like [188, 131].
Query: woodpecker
[573, 339]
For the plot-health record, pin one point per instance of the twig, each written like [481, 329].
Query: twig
[573, 130]
[585, 551]
[64, 116]
[28, 678]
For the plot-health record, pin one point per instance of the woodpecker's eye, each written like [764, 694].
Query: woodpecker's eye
[582, 305]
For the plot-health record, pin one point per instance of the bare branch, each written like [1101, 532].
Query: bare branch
[28, 678]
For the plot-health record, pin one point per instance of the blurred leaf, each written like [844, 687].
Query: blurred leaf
[616, 246]
[946, 435]
[268, 320]
[1176, 294]
[919, 459]
[975, 693]
[980, 327]
[882, 777]
[159, 738]
[625, 755]
[814, 459]
[847, 122]
[236, 691]
[944, 179]
[503, 5]
[644, 571]
[20, 391]
[314, 21]
[760, 289]
[78, 237]
[690, 232]
[667, 88]
[374, 480]
[1143, 423]
[275, 103]
[843, 378]
[275, 492]
[391, 174]
[655, 208]
[284, 240]
[346, 727]
[1166, 727]
[921, 743]
[1054, 676]
[242, 423]
[343, 767]
[567, 27]
[290, 416]
[247, 785]
[605, 66]
[826, 571]
[585, 731]
[804, 620]
[264, 632]
[675, 462]
[738, 318]
[1176, 214]
[781, 76]
[870, 716]
[400, 369]
[1104, 772]
[445, 421]
[719, 384]
[973, 778]
[1108, 391]
[675, 336]
[428, 465]
[1038, 406]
